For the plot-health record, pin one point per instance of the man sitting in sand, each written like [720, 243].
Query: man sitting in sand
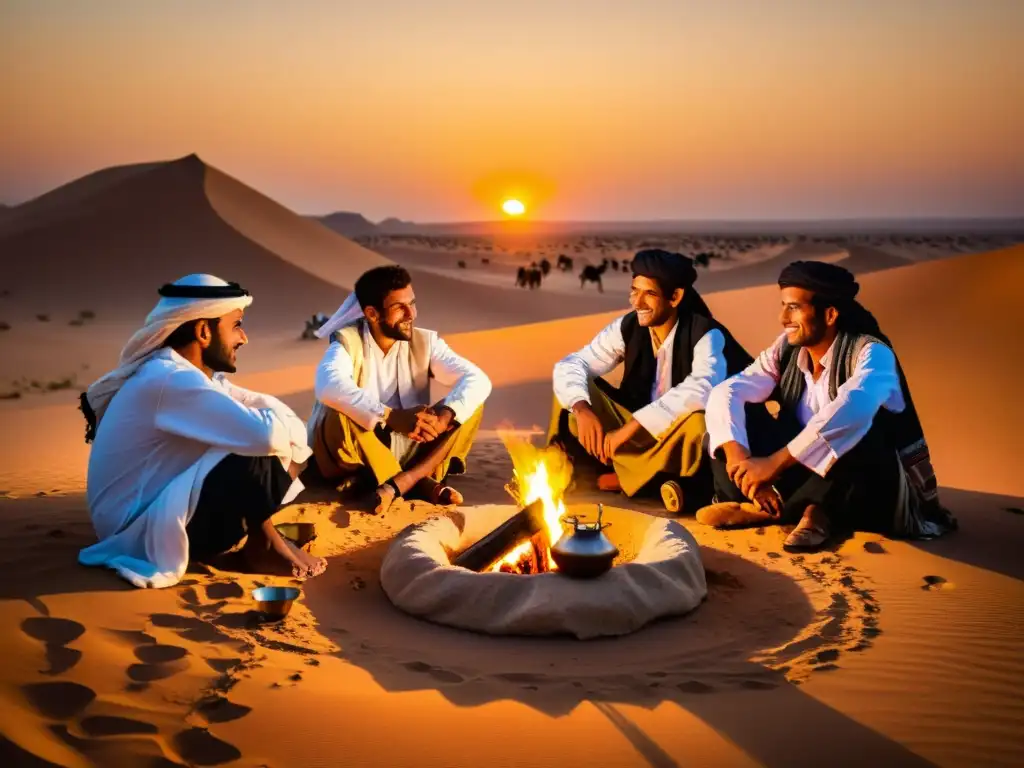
[673, 352]
[185, 464]
[373, 411]
[846, 449]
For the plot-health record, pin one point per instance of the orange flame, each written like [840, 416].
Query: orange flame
[537, 473]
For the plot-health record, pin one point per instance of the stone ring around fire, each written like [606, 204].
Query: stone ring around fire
[659, 574]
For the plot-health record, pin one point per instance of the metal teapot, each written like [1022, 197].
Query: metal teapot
[584, 552]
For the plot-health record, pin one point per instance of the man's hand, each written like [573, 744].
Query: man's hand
[753, 474]
[415, 422]
[589, 429]
[617, 437]
[734, 454]
[432, 423]
[767, 500]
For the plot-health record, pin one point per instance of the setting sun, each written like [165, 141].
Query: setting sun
[513, 208]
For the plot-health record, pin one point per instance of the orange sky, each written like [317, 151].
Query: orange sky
[589, 110]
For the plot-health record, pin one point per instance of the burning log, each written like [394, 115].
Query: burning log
[524, 525]
[533, 561]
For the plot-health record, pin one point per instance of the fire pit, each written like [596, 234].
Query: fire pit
[499, 569]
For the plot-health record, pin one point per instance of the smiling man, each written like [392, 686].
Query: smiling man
[185, 464]
[373, 409]
[846, 448]
[652, 426]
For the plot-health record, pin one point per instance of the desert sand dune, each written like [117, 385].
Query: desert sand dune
[71, 199]
[933, 312]
[873, 652]
[116, 246]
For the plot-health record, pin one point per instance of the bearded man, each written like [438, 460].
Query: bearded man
[373, 413]
[184, 464]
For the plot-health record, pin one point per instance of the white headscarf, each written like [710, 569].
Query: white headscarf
[348, 313]
[166, 316]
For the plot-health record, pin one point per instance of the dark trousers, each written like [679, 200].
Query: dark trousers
[859, 491]
[239, 495]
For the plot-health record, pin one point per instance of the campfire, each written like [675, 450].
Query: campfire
[537, 476]
[540, 477]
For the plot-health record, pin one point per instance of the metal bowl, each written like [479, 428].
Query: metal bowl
[274, 602]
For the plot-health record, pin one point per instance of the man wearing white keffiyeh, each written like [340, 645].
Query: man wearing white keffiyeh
[185, 464]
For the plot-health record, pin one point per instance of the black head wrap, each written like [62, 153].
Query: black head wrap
[671, 271]
[837, 287]
[830, 281]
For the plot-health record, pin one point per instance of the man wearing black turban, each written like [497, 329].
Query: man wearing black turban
[847, 448]
[673, 353]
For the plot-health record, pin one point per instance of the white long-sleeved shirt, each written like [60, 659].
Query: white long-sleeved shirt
[335, 385]
[164, 418]
[668, 403]
[830, 427]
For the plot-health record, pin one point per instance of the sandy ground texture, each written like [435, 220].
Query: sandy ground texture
[871, 652]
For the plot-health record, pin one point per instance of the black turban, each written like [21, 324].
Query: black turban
[671, 270]
[829, 281]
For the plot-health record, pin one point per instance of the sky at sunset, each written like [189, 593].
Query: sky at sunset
[583, 109]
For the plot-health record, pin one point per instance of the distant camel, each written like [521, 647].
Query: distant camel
[528, 278]
[564, 263]
[593, 274]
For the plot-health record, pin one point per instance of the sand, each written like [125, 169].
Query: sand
[872, 652]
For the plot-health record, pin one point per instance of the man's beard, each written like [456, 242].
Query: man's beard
[218, 357]
[395, 332]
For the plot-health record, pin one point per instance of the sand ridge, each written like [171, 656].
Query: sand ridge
[872, 651]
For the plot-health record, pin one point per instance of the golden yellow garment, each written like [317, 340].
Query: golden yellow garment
[341, 447]
[679, 452]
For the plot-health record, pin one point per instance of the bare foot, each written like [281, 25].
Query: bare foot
[435, 493]
[385, 497]
[266, 551]
[609, 482]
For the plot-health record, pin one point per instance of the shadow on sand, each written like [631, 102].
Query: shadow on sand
[703, 662]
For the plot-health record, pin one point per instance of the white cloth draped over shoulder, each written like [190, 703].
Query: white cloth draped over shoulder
[161, 426]
[388, 380]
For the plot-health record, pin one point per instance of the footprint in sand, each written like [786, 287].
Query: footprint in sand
[224, 666]
[189, 628]
[722, 579]
[158, 663]
[55, 634]
[936, 582]
[217, 709]
[441, 675]
[224, 591]
[58, 701]
[875, 548]
[99, 726]
[199, 747]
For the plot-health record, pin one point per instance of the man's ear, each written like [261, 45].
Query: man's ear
[677, 297]
[204, 334]
[372, 314]
[831, 316]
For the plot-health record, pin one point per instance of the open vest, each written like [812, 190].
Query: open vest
[903, 430]
[350, 337]
[418, 362]
[640, 364]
